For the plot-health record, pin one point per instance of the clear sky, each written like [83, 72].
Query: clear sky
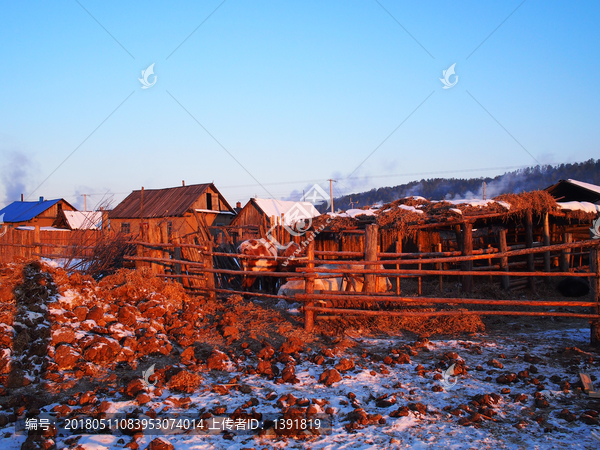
[266, 97]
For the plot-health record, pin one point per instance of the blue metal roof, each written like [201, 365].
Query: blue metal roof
[23, 211]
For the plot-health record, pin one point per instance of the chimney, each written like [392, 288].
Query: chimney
[183, 182]
[21, 197]
[238, 205]
[41, 199]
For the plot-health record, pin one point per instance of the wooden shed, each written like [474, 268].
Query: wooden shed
[267, 212]
[43, 213]
[177, 209]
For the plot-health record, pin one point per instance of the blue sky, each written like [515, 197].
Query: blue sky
[265, 98]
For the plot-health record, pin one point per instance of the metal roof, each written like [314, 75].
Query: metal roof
[573, 190]
[24, 211]
[84, 220]
[168, 202]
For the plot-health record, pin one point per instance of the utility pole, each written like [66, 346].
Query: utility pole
[484, 190]
[84, 201]
[331, 192]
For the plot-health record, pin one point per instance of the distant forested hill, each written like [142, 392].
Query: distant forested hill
[528, 179]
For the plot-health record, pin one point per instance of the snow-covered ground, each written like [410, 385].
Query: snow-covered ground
[552, 353]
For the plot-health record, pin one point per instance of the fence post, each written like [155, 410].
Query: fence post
[595, 292]
[529, 244]
[565, 255]
[438, 248]
[176, 255]
[467, 250]
[546, 231]
[505, 280]
[419, 266]
[398, 250]
[309, 287]
[370, 255]
[36, 240]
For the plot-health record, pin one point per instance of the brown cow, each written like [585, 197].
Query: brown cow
[264, 247]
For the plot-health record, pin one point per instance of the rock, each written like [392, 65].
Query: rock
[265, 368]
[63, 335]
[507, 378]
[319, 359]
[128, 315]
[292, 345]
[403, 358]
[142, 398]
[400, 412]
[521, 398]
[96, 314]
[419, 407]
[345, 365]
[102, 350]
[231, 332]
[217, 360]
[289, 374]
[160, 444]
[385, 401]
[328, 377]
[66, 357]
[188, 355]
[81, 313]
[589, 420]
[135, 387]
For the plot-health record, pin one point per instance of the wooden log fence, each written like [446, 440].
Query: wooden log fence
[190, 262]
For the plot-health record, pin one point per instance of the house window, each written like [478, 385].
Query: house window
[209, 201]
[169, 228]
[125, 228]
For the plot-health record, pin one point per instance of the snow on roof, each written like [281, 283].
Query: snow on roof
[84, 220]
[411, 208]
[292, 211]
[355, 212]
[477, 202]
[580, 206]
[214, 211]
[591, 187]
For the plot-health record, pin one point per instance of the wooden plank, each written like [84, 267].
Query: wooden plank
[360, 312]
[416, 273]
[529, 244]
[586, 381]
[467, 250]
[370, 284]
[442, 300]
[309, 287]
[505, 280]
[594, 282]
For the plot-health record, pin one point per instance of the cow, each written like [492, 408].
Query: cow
[336, 282]
[264, 247]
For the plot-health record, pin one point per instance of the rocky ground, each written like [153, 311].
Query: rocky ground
[73, 348]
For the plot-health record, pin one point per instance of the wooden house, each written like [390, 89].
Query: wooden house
[43, 213]
[574, 191]
[177, 209]
[269, 212]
